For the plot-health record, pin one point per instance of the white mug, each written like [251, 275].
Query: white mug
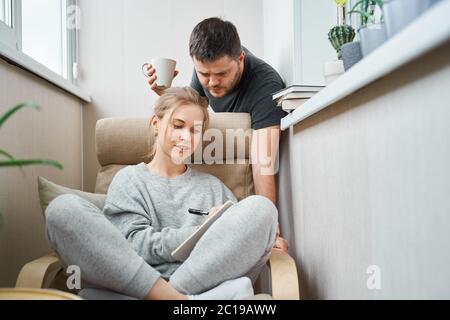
[164, 69]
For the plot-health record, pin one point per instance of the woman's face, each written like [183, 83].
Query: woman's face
[179, 136]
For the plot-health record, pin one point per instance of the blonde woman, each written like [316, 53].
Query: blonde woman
[126, 247]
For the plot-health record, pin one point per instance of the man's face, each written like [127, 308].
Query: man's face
[220, 76]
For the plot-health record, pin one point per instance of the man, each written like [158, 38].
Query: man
[234, 80]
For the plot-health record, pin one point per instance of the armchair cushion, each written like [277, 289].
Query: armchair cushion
[128, 141]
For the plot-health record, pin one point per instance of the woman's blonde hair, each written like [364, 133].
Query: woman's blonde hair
[174, 98]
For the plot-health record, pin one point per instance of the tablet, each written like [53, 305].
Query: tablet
[184, 250]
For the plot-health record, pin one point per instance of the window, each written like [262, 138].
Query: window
[44, 36]
[7, 33]
[38, 29]
[6, 12]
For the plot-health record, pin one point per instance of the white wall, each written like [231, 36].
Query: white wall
[118, 36]
[279, 37]
[317, 18]
[296, 38]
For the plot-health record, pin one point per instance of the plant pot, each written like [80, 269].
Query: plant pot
[351, 54]
[371, 37]
[399, 13]
[332, 70]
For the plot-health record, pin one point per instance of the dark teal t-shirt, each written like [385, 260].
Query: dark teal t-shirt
[253, 94]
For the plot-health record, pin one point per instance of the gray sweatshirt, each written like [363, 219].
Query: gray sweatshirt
[152, 211]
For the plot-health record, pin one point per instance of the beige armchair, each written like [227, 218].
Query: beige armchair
[127, 141]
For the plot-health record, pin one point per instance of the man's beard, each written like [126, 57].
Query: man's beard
[230, 88]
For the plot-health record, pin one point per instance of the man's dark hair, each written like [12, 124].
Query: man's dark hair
[214, 38]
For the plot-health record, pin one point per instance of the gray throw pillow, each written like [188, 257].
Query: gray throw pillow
[49, 191]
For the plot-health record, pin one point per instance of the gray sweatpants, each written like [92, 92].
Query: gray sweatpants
[237, 244]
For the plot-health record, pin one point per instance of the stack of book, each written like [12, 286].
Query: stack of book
[294, 96]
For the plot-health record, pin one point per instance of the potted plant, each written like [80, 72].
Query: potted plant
[372, 31]
[342, 36]
[399, 13]
[7, 160]
[342, 33]
[338, 36]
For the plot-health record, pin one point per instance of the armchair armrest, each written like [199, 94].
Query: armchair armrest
[35, 294]
[35, 273]
[284, 276]
[284, 279]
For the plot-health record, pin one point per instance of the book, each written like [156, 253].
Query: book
[297, 89]
[280, 101]
[295, 95]
[292, 104]
[184, 250]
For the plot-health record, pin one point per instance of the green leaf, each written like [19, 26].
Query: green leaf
[365, 14]
[365, 11]
[11, 161]
[356, 5]
[380, 3]
[20, 163]
[9, 113]
[6, 154]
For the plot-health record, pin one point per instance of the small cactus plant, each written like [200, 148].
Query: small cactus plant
[339, 36]
[342, 33]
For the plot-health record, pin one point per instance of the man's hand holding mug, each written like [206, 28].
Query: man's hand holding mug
[160, 73]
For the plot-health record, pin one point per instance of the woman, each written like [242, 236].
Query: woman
[127, 247]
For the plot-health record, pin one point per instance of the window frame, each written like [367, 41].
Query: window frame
[9, 34]
[10, 11]
[11, 50]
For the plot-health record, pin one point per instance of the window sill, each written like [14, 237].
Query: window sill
[29, 64]
[395, 53]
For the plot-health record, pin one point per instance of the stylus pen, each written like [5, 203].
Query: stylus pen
[198, 212]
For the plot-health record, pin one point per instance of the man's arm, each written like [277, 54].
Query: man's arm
[264, 157]
[264, 184]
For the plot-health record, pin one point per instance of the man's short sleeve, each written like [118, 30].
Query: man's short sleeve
[264, 111]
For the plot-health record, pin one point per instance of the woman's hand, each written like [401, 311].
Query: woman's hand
[213, 211]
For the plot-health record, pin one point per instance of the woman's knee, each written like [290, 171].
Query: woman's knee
[262, 209]
[60, 211]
